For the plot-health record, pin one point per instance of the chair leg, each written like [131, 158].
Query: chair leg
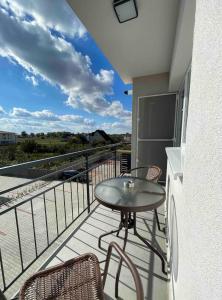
[121, 260]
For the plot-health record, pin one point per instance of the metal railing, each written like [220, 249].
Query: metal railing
[28, 227]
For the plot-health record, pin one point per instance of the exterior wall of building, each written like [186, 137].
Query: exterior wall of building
[145, 86]
[194, 204]
[7, 138]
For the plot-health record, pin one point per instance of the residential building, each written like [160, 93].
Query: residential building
[172, 54]
[7, 138]
[99, 136]
[127, 138]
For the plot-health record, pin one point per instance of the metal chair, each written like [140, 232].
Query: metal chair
[77, 279]
[153, 174]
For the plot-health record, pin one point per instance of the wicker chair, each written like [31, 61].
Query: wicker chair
[153, 174]
[77, 279]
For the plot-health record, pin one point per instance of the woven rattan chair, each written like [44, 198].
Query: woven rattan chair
[76, 279]
[153, 174]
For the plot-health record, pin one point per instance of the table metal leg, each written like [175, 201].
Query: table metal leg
[121, 223]
[158, 222]
[121, 261]
[150, 246]
[108, 233]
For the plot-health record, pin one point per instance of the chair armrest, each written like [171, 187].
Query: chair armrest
[130, 265]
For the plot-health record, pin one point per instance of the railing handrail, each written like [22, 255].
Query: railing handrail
[70, 208]
[47, 190]
[46, 175]
[57, 157]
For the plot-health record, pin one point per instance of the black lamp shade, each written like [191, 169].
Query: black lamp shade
[125, 10]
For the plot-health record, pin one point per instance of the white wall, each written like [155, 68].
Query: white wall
[144, 86]
[183, 44]
[198, 199]
[8, 138]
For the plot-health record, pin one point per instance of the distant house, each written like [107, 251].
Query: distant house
[127, 138]
[7, 138]
[82, 138]
[99, 136]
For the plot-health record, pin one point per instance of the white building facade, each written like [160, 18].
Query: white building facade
[7, 138]
[172, 55]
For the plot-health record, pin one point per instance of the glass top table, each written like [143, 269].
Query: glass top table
[143, 196]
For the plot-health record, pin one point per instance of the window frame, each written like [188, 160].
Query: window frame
[185, 112]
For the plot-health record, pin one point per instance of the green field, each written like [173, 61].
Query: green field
[36, 147]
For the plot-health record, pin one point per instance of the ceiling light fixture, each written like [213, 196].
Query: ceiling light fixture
[125, 10]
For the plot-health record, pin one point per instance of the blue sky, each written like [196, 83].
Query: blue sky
[53, 76]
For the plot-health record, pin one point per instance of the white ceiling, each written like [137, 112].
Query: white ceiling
[140, 47]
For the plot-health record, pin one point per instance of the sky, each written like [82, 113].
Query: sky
[53, 76]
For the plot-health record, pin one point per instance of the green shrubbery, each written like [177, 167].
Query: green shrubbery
[40, 145]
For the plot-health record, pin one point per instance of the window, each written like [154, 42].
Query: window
[185, 105]
[178, 118]
[186, 92]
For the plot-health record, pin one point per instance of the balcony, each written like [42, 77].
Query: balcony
[46, 221]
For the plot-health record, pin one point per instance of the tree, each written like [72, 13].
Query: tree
[29, 146]
[24, 134]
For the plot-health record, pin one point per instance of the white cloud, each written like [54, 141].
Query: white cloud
[52, 14]
[32, 46]
[116, 110]
[17, 125]
[117, 127]
[2, 111]
[47, 115]
[20, 119]
[32, 79]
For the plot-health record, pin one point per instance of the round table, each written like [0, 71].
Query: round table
[143, 196]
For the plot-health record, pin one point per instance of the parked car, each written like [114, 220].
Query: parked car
[72, 172]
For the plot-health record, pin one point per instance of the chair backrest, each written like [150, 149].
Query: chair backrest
[154, 173]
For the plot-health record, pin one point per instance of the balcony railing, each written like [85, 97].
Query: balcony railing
[36, 213]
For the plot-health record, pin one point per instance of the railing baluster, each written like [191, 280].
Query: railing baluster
[64, 202]
[92, 185]
[71, 198]
[19, 239]
[95, 175]
[87, 183]
[33, 226]
[107, 165]
[110, 167]
[56, 213]
[2, 271]
[115, 161]
[107, 174]
[46, 220]
[101, 171]
[83, 195]
[104, 170]
[102, 175]
[77, 193]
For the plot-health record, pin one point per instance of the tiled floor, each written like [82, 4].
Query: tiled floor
[102, 220]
